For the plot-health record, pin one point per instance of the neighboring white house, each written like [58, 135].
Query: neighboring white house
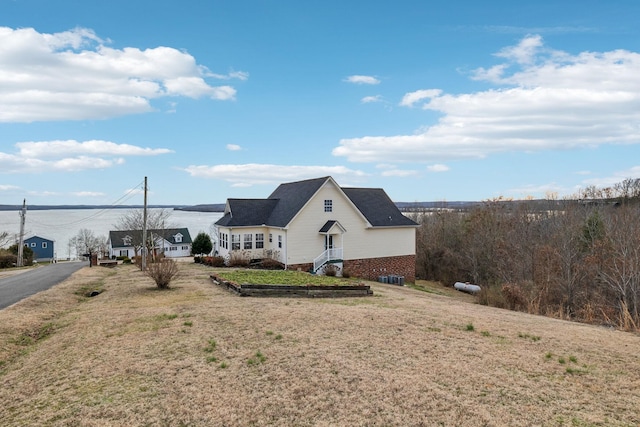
[173, 242]
[308, 224]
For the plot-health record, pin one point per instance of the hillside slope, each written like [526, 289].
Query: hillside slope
[197, 355]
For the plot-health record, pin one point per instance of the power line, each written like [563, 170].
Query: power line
[127, 196]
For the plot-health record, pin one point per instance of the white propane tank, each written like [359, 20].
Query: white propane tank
[467, 287]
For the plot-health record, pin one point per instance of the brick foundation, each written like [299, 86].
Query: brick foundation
[372, 268]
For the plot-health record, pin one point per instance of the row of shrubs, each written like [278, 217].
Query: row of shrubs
[8, 261]
[9, 257]
[239, 261]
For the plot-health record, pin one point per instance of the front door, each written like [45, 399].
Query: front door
[328, 242]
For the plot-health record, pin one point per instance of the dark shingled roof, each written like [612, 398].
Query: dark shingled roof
[116, 237]
[288, 199]
[377, 207]
[293, 196]
[247, 212]
[327, 226]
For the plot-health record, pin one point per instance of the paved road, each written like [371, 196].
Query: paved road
[15, 288]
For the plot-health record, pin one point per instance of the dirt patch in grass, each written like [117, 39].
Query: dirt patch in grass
[196, 355]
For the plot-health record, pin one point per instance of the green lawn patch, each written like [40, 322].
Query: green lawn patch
[280, 277]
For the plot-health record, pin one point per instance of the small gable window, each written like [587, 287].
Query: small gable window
[44, 245]
[328, 205]
[178, 238]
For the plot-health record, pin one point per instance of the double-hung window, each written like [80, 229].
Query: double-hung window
[259, 240]
[248, 241]
[235, 242]
[328, 205]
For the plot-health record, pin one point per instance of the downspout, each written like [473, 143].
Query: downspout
[286, 247]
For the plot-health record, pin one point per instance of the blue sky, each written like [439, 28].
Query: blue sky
[457, 100]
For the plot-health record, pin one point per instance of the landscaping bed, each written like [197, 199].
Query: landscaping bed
[298, 285]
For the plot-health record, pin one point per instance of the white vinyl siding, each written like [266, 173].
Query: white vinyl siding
[358, 242]
[254, 236]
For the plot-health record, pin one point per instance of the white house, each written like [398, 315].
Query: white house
[309, 224]
[173, 242]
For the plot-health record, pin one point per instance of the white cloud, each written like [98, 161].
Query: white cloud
[73, 75]
[524, 52]
[240, 75]
[544, 100]
[233, 147]
[362, 80]
[412, 97]
[369, 99]
[438, 168]
[70, 156]
[256, 174]
[615, 178]
[6, 187]
[97, 147]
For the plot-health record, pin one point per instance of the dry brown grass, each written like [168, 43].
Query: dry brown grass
[197, 355]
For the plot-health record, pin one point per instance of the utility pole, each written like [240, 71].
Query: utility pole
[23, 214]
[144, 228]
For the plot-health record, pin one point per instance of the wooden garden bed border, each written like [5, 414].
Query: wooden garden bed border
[302, 291]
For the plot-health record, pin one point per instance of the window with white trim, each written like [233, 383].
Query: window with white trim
[44, 245]
[248, 241]
[270, 238]
[235, 242]
[280, 241]
[328, 205]
[259, 240]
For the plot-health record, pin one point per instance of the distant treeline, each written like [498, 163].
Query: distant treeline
[574, 259]
[56, 207]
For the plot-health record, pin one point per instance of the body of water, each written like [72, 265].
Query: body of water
[60, 225]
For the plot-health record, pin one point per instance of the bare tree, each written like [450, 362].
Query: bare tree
[619, 264]
[85, 242]
[133, 221]
[5, 239]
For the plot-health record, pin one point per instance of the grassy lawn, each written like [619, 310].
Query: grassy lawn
[280, 277]
[197, 355]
